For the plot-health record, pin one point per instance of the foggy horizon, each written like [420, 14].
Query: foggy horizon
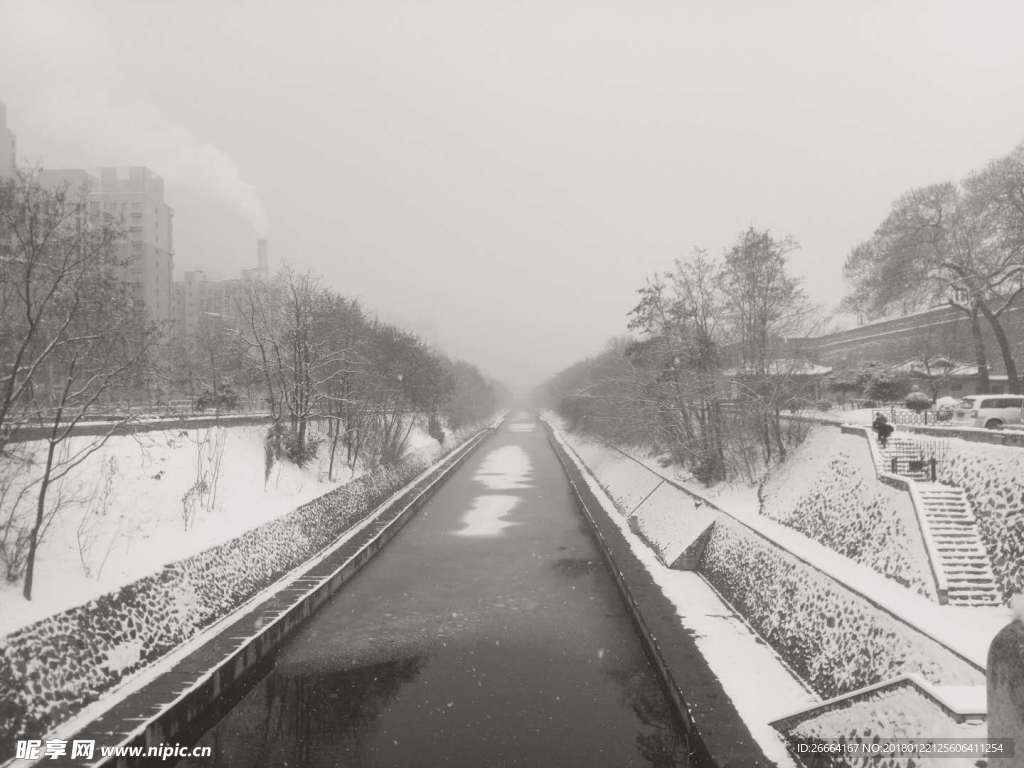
[501, 179]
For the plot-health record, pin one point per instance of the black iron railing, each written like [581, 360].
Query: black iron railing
[915, 467]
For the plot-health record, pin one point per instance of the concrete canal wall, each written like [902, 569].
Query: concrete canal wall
[54, 668]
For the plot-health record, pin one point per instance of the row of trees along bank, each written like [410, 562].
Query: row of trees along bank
[701, 377]
[705, 375]
[960, 244]
[75, 338]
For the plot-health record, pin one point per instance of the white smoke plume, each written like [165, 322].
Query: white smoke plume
[64, 101]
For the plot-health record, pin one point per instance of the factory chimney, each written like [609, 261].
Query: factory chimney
[261, 257]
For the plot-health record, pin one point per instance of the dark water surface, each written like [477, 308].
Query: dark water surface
[488, 633]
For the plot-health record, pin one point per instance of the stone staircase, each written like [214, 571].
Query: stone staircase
[962, 555]
[946, 515]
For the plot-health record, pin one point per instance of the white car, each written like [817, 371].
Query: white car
[989, 411]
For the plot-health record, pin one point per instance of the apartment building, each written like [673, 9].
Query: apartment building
[8, 145]
[133, 197]
[200, 296]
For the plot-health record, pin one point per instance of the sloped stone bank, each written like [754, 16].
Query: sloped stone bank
[834, 639]
[52, 669]
[828, 491]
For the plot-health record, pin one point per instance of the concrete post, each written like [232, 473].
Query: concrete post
[1006, 690]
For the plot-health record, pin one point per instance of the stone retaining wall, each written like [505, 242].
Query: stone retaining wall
[52, 669]
[832, 637]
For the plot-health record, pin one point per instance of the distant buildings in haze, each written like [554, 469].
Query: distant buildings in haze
[8, 145]
[200, 296]
[134, 197]
[924, 339]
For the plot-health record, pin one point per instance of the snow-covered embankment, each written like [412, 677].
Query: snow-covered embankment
[826, 632]
[52, 668]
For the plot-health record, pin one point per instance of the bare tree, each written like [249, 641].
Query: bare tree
[322, 359]
[74, 331]
[678, 319]
[290, 331]
[949, 243]
[90, 525]
[707, 331]
[764, 302]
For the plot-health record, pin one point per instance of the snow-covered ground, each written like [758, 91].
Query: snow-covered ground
[827, 489]
[149, 499]
[966, 630]
[746, 665]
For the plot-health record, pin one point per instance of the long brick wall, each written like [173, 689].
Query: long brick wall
[940, 331]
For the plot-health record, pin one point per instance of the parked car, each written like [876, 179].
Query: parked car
[989, 411]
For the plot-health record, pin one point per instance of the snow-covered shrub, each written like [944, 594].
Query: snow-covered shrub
[16, 519]
[92, 551]
[917, 401]
[834, 639]
[226, 399]
[885, 386]
[828, 490]
[435, 428]
[201, 497]
[51, 669]
[20, 478]
[273, 448]
[992, 476]
[300, 452]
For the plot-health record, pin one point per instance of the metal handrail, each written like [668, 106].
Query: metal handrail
[931, 546]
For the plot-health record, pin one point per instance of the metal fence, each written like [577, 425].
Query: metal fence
[929, 418]
[920, 468]
[919, 457]
[175, 409]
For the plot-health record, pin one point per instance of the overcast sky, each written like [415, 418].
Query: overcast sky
[500, 176]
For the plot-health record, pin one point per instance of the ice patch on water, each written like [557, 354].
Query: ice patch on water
[505, 469]
[522, 423]
[487, 517]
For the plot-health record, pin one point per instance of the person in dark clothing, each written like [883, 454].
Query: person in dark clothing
[882, 428]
